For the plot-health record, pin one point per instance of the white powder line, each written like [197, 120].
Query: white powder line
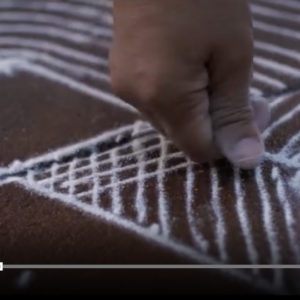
[244, 220]
[108, 160]
[98, 3]
[9, 66]
[275, 13]
[73, 84]
[58, 22]
[135, 178]
[280, 160]
[288, 212]
[268, 47]
[147, 233]
[265, 79]
[189, 196]
[142, 140]
[139, 153]
[44, 45]
[163, 207]
[283, 99]
[66, 35]
[130, 128]
[273, 65]
[72, 177]
[39, 57]
[17, 166]
[220, 224]
[127, 168]
[256, 91]
[289, 33]
[286, 117]
[53, 173]
[284, 52]
[115, 192]
[96, 180]
[55, 6]
[294, 182]
[287, 149]
[296, 160]
[269, 225]
[30, 177]
[285, 4]
[148, 138]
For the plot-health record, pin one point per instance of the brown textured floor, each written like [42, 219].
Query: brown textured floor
[39, 115]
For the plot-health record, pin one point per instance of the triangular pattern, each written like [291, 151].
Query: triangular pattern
[92, 175]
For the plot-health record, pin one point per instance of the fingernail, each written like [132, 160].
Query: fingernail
[248, 153]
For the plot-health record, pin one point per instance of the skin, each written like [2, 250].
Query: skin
[186, 65]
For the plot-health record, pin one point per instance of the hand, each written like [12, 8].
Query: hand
[186, 65]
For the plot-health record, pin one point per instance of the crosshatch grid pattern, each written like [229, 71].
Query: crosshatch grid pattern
[80, 179]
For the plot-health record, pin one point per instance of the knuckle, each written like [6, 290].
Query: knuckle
[138, 86]
[232, 116]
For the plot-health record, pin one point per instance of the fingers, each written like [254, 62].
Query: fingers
[185, 120]
[176, 106]
[161, 72]
[237, 133]
[262, 116]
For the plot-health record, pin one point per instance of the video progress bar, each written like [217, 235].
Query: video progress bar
[9, 266]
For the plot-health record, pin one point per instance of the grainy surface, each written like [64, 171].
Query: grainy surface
[72, 193]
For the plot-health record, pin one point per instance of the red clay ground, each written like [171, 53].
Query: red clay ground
[52, 94]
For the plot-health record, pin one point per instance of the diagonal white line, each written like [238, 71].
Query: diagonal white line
[275, 13]
[189, 195]
[243, 218]
[47, 46]
[140, 200]
[115, 190]
[267, 47]
[288, 212]
[268, 80]
[276, 30]
[129, 167]
[39, 57]
[220, 224]
[75, 85]
[66, 35]
[179, 248]
[54, 169]
[55, 6]
[162, 197]
[255, 91]
[56, 21]
[72, 177]
[269, 225]
[96, 179]
[284, 4]
[279, 68]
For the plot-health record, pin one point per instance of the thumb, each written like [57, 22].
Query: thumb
[237, 133]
